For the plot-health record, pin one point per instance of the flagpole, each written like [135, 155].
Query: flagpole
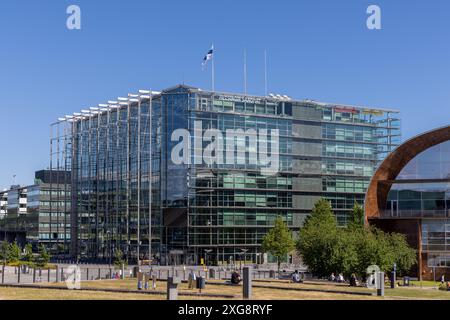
[265, 72]
[212, 68]
[245, 71]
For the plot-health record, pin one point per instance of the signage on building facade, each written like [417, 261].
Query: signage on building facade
[236, 98]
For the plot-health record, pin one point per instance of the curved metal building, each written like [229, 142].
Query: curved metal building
[410, 193]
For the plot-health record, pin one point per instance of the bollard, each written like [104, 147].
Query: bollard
[393, 279]
[140, 277]
[34, 275]
[62, 274]
[380, 283]
[191, 280]
[201, 284]
[57, 275]
[172, 288]
[48, 275]
[87, 274]
[99, 274]
[18, 275]
[247, 286]
[110, 273]
[146, 280]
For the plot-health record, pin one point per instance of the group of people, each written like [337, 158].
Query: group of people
[339, 278]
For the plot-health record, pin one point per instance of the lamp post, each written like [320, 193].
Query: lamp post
[258, 258]
[206, 256]
[127, 249]
[109, 245]
[243, 252]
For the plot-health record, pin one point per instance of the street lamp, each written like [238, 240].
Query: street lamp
[109, 244]
[243, 252]
[206, 255]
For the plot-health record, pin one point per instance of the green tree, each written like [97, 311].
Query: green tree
[4, 251]
[44, 256]
[357, 217]
[327, 248]
[278, 241]
[119, 258]
[28, 253]
[405, 256]
[13, 255]
[318, 238]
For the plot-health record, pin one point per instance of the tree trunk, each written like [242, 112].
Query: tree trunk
[279, 265]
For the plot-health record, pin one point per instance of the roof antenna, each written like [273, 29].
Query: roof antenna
[265, 72]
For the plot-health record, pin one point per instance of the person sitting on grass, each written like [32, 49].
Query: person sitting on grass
[235, 278]
[296, 277]
[353, 280]
[332, 277]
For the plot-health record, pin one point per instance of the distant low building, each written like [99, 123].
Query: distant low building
[37, 214]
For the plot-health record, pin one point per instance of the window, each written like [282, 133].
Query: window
[288, 109]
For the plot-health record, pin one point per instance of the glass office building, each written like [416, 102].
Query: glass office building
[200, 209]
[39, 213]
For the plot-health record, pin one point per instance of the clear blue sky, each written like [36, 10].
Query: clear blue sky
[317, 49]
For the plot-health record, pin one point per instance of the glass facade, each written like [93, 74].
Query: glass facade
[433, 163]
[207, 206]
[422, 190]
[112, 186]
[38, 214]
[49, 206]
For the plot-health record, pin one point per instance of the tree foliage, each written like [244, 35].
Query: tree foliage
[325, 247]
[357, 217]
[44, 256]
[13, 254]
[278, 241]
[317, 238]
[119, 258]
[28, 253]
[4, 246]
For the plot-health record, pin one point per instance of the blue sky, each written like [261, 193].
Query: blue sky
[317, 49]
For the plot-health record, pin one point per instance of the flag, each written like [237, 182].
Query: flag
[208, 56]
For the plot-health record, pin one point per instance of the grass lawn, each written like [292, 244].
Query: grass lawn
[425, 283]
[266, 293]
[44, 294]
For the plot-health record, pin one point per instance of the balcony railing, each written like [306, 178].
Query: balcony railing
[415, 214]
